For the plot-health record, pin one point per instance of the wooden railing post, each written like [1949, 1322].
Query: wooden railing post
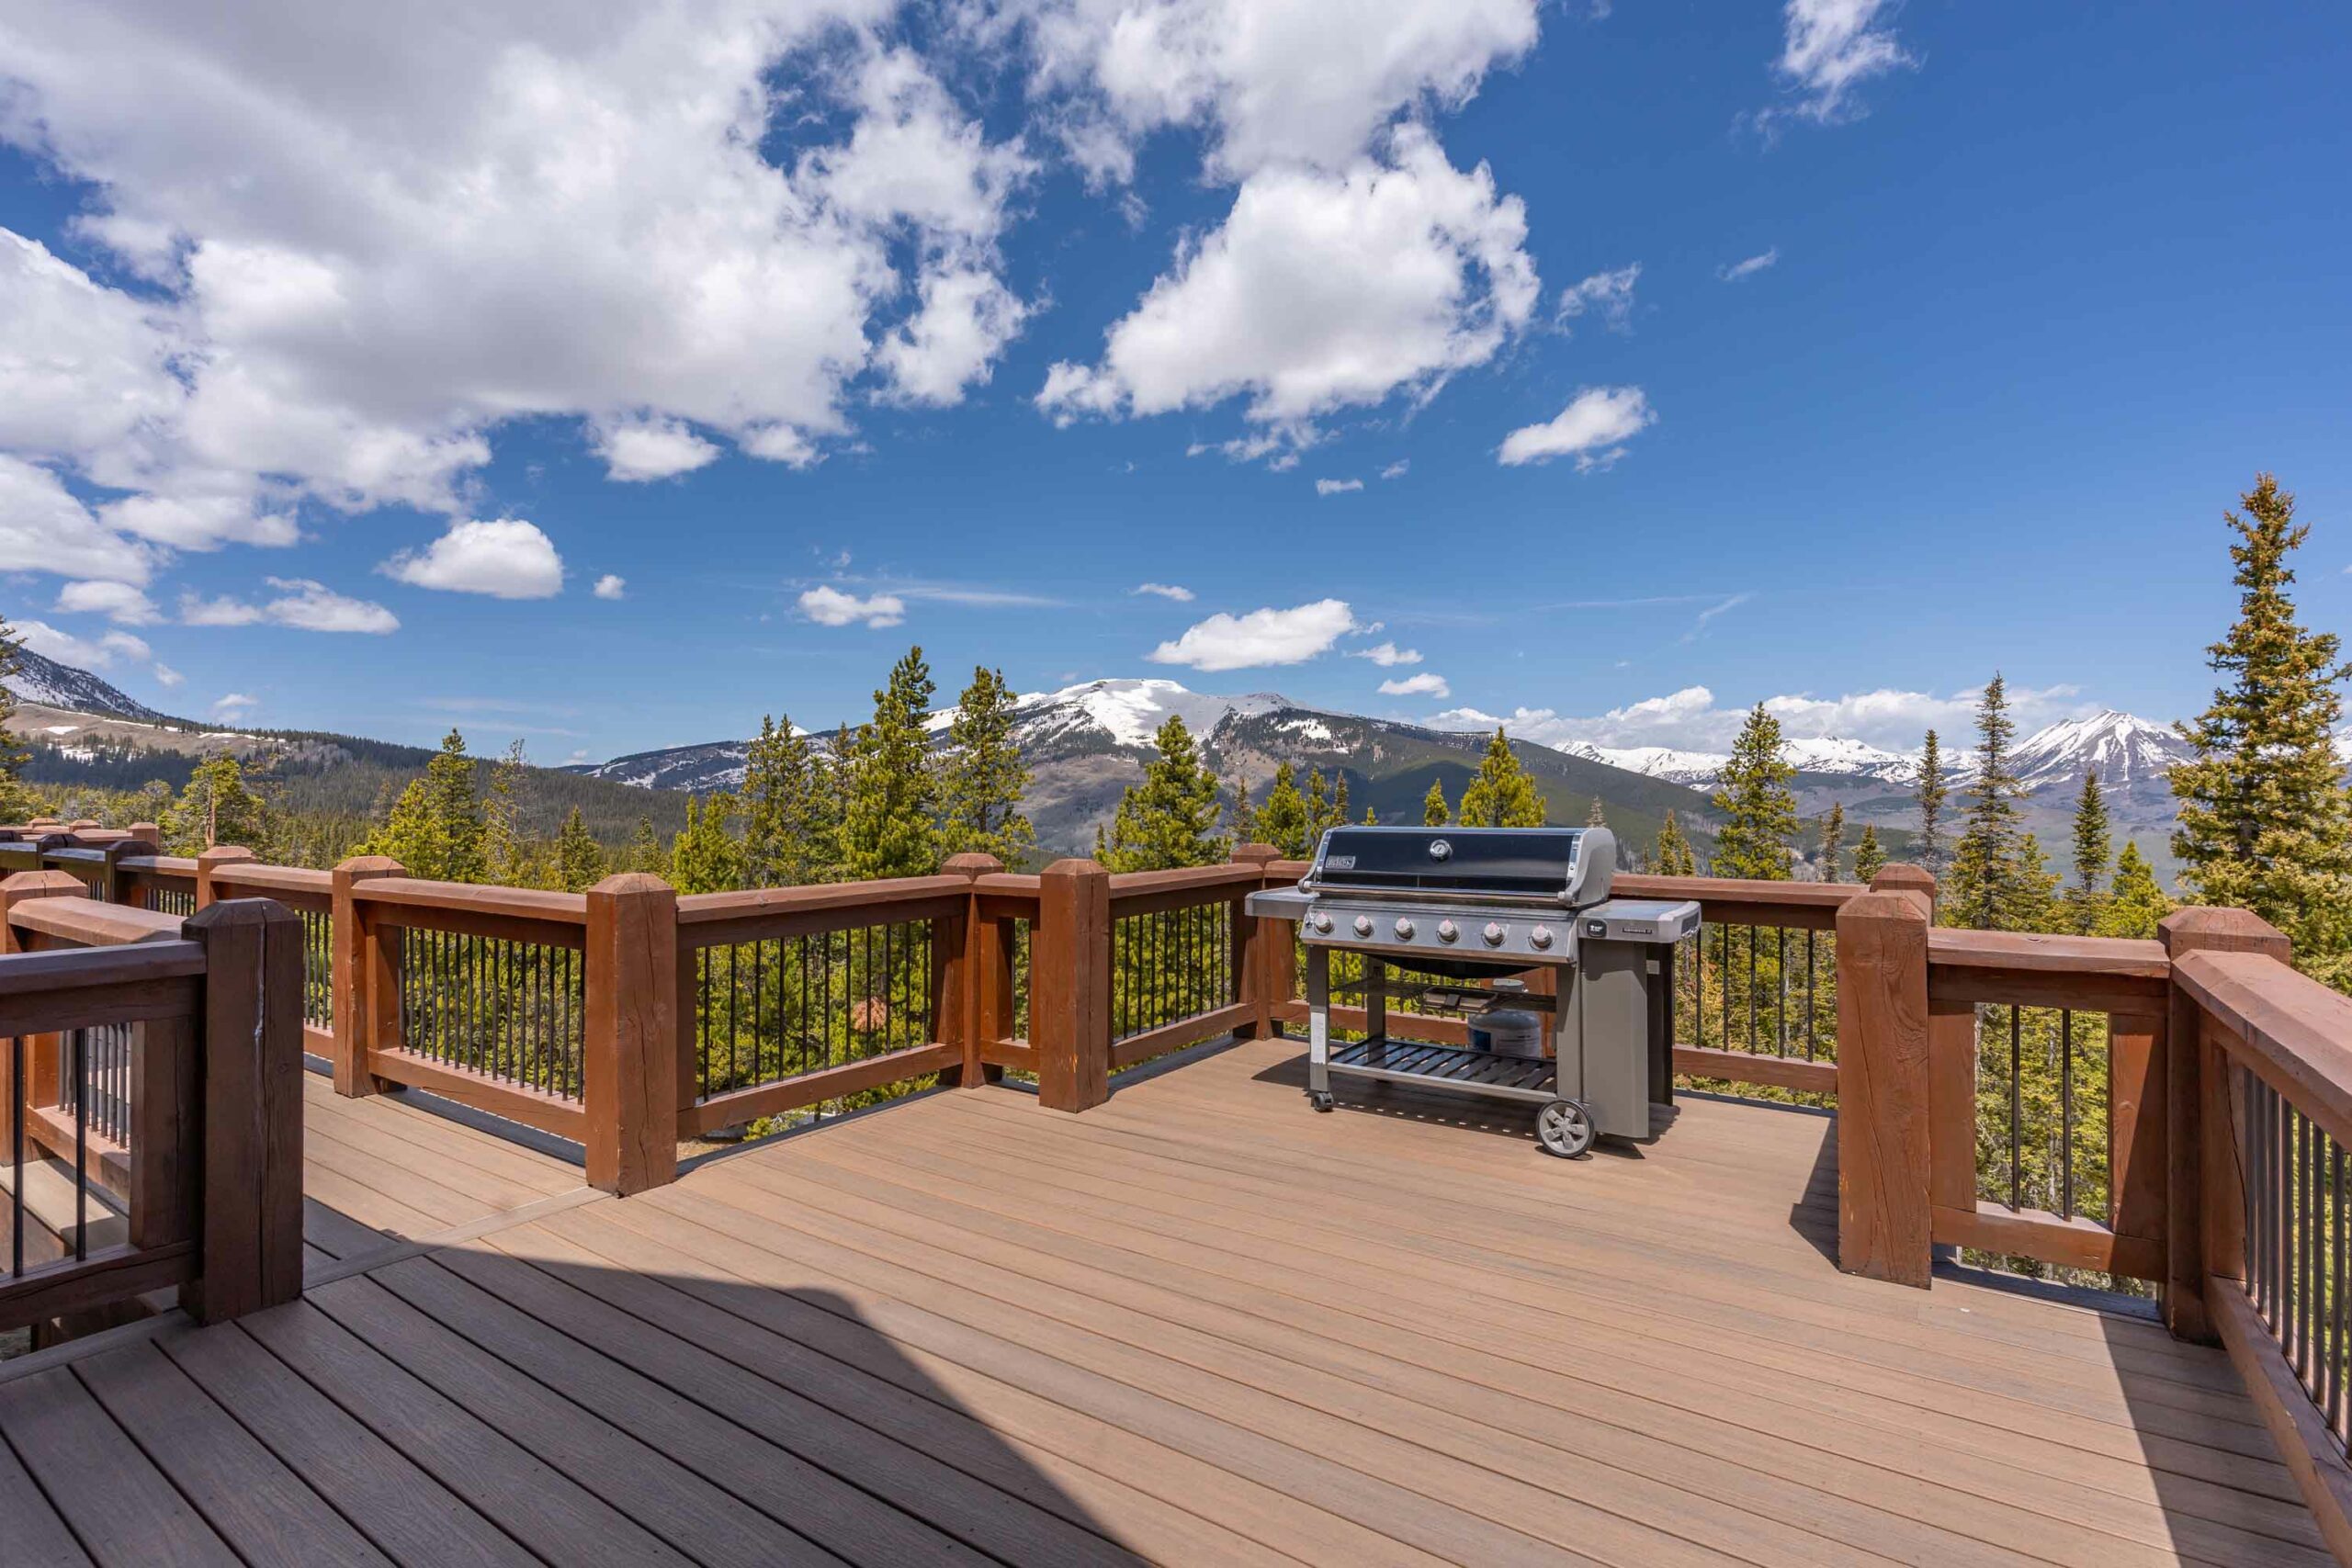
[960, 951]
[1885, 1227]
[2205, 1213]
[206, 864]
[629, 1074]
[39, 1061]
[1901, 876]
[364, 971]
[251, 1042]
[1070, 986]
[1254, 941]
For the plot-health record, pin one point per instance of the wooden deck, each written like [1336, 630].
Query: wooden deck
[1198, 1324]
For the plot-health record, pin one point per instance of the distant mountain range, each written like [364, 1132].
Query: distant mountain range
[1085, 744]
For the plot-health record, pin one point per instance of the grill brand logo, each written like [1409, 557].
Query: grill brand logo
[1439, 850]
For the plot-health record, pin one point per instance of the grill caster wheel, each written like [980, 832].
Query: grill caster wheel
[1564, 1128]
[1319, 1098]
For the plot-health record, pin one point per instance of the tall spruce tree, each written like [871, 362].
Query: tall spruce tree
[2137, 904]
[1674, 856]
[504, 849]
[453, 797]
[983, 776]
[2093, 846]
[1170, 819]
[17, 800]
[788, 840]
[1318, 806]
[645, 850]
[1594, 816]
[705, 856]
[1870, 855]
[579, 859]
[1241, 817]
[1833, 840]
[889, 805]
[1281, 820]
[216, 807]
[1934, 789]
[411, 834]
[1989, 888]
[2262, 821]
[1758, 835]
[1503, 793]
[1435, 813]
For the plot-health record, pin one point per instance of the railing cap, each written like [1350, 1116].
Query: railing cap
[1077, 866]
[221, 853]
[361, 867]
[971, 864]
[1901, 876]
[631, 885]
[1257, 854]
[41, 884]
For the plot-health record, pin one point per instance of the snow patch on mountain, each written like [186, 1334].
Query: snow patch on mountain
[39, 679]
[2125, 749]
[1129, 712]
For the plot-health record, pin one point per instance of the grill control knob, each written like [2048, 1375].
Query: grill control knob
[1447, 931]
[1363, 925]
[1540, 936]
[1404, 929]
[1493, 934]
[1323, 922]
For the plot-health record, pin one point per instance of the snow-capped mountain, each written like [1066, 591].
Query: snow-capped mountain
[43, 680]
[1810, 755]
[2127, 752]
[1697, 769]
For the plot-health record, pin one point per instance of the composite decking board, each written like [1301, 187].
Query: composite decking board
[411, 1516]
[34, 1532]
[364, 1206]
[123, 1509]
[261, 1509]
[548, 1513]
[1757, 1515]
[1419, 1495]
[741, 1286]
[456, 1142]
[1427, 1298]
[1743, 1278]
[482, 1190]
[443, 1204]
[700, 1520]
[976, 1425]
[334, 1233]
[799, 1496]
[845, 1455]
[1686, 1440]
[1370, 1179]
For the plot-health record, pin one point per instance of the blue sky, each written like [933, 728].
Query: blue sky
[456, 321]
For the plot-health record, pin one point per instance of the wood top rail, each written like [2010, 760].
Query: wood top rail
[2086, 974]
[465, 897]
[2293, 1030]
[276, 878]
[702, 908]
[159, 865]
[88, 924]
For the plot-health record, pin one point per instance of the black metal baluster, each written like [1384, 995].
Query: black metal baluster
[1780, 964]
[2066, 1114]
[2342, 1315]
[17, 1156]
[1751, 990]
[1812, 1006]
[81, 1147]
[2017, 1115]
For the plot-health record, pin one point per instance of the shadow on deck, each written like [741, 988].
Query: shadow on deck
[1198, 1323]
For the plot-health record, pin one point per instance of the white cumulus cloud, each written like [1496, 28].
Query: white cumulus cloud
[119, 602]
[1609, 295]
[1262, 637]
[302, 604]
[647, 449]
[43, 528]
[1336, 486]
[1692, 719]
[1829, 49]
[830, 607]
[508, 558]
[233, 706]
[87, 653]
[1320, 292]
[1397, 470]
[1592, 429]
[1388, 655]
[610, 586]
[1163, 591]
[1425, 685]
[1741, 271]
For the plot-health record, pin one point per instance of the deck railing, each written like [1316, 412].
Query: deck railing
[150, 1065]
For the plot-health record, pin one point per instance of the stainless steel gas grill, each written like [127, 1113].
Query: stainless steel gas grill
[1447, 921]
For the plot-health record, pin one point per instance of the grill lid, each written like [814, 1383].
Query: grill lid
[1567, 866]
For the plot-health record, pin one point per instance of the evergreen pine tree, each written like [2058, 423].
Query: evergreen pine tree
[645, 850]
[1752, 792]
[891, 790]
[1282, 820]
[1988, 888]
[1318, 807]
[786, 838]
[504, 851]
[705, 857]
[2263, 818]
[1434, 811]
[2092, 846]
[1371, 817]
[983, 776]
[1170, 819]
[411, 835]
[1503, 795]
[1338, 817]
[1241, 817]
[1594, 816]
[1674, 856]
[579, 859]
[453, 797]
[2136, 903]
[1833, 840]
[1870, 855]
[215, 808]
[1933, 790]
[17, 800]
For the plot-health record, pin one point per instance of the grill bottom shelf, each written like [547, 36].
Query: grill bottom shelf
[1483, 1073]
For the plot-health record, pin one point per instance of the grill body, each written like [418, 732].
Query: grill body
[1481, 909]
